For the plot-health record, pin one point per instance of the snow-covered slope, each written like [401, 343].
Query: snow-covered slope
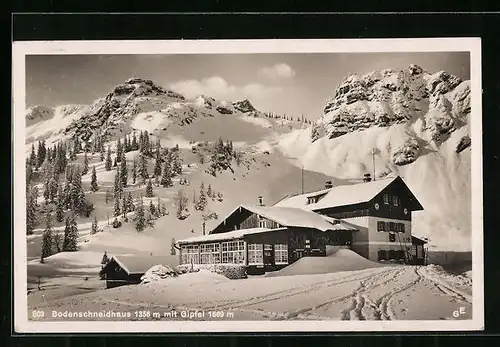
[417, 124]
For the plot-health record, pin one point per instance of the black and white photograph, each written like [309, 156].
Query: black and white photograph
[264, 185]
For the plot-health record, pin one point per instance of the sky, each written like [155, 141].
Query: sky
[284, 83]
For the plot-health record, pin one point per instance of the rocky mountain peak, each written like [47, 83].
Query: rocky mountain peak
[244, 106]
[389, 96]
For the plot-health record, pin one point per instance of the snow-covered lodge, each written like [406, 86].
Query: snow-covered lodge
[372, 218]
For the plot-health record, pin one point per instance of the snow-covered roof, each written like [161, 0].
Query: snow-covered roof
[340, 225]
[289, 216]
[338, 196]
[230, 235]
[133, 264]
[420, 238]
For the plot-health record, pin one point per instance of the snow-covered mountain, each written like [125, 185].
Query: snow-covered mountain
[417, 125]
[136, 104]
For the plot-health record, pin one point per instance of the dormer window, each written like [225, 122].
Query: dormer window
[314, 199]
[262, 222]
[386, 199]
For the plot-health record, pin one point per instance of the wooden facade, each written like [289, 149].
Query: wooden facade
[115, 275]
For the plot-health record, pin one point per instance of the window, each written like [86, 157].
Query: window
[395, 200]
[380, 226]
[255, 254]
[209, 253]
[189, 254]
[382, 254]
[386, 199]
[262, 223]
[281, 254]
[391, 226]
[392, 237]
[233, 252]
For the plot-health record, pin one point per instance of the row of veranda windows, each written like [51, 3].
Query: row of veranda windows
[233, 252]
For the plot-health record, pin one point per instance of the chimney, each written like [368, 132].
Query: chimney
[367, 178]
[261, 201]
[328, 184]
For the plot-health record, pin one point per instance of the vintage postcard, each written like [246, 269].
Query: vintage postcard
[248, 186]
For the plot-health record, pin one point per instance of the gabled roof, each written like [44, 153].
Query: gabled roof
[133, 264]
[340, 195]
[230, 235]
[287, 216]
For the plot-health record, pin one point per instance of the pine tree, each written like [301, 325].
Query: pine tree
[42, 151]
[166, 178]
[85, 169]
[134, 171]
[177, 164]
[95, 226]
[32, 160]
[172, 247]
[77, 197]
[143, 169]
[47, 238]
[60, 205]
[125, 209]
[116, 206]
[31, 219]
[93, 181]
[123, 170]
[135, 145]
[140, 218]
[56, 239]
[202, 199]
[158, 207]
[102, 156]
[149, 189]
[119, 151]
[141, 142]
[181, 205]
[70, 243]
[152, 209]
[108, 163]
[157, 168]
[210, 193]
[115, 162]
[118, 188]
[130, 202]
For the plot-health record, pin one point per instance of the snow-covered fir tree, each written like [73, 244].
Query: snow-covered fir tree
[115, 163]
[157, 167]
[119, 150]
[166, 177]
[101, 153]
[134, 171]
[93, 181]
[152, 208]
[85, 168]
[143, 169]
[181, 202]
[108, 164]
[32, 159]
[42, 151]
[118, 188]
[47, 238]
[60, 205]
[116, 206]
[210, 193]
[177, 163]
[130, 202]
[123, 170]
[124, 206]
[201, 204]
[31, 218]
[158, 207]
[149, 189]
[95, 226]
[70, 243]
[134, 145]
[140, 216]
[57, 242]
